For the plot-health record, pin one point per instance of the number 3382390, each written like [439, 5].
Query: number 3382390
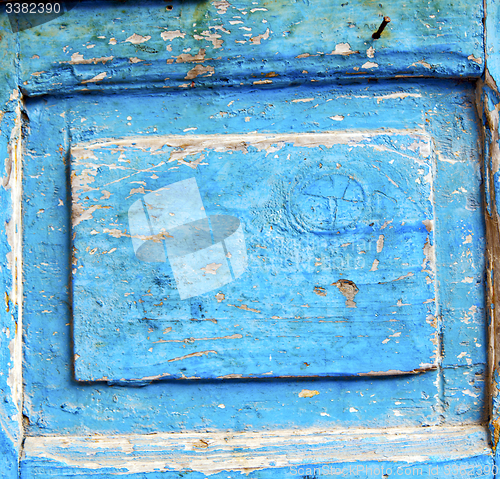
[40, 8]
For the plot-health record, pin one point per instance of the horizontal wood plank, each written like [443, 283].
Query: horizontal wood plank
[280, 451]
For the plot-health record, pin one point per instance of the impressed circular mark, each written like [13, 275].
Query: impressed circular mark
[327, 203]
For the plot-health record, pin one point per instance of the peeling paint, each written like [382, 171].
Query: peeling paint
[138, 39]
[308, 393]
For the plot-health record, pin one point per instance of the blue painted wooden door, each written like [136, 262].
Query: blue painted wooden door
[256, 270]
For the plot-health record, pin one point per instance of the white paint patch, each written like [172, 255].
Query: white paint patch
[241, 453]
[185, 146]
[468, 279]
[342, 49]
[137, 39]
[369, 65]
[263, 36]
[169, 36]
[370, 53]
[380, 243]
[97, 78]
[336, 118]
[477, 60]
[423, 63]
[399, 95]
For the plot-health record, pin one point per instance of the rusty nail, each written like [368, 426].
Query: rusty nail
[384, 23]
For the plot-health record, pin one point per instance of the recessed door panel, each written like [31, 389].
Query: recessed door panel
[253, 255]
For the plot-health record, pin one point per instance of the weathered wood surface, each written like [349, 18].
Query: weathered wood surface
[438, 39]
[116, 44]
[488, 108]
[453, 394]
[329, 222]
[434, 452]
[10, 272]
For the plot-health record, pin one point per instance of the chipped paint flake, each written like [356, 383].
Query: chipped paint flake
[477, 60]
[348, 290]
[198, 70]
[343, 49]
[258, 38]
[423, 63]
[221, 6]
[380, 243]
[137, 39]
[170, 35]
[97, 78]
[187, 57]
[193, 355]
[77, 59]
[375, 265]
[369, 65]
[244, 307]
[308, 393]
[211, 268]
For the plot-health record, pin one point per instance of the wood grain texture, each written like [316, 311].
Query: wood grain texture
[266, 454]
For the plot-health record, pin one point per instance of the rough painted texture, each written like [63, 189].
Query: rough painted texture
[488, 111]
[436, 39]
[10, 334]
[322, 238]
[186, 44]
[268, 454]
[55, 404]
